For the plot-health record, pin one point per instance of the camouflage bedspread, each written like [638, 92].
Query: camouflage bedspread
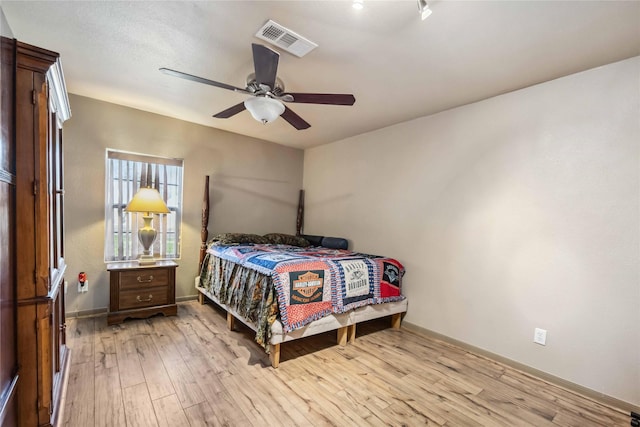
[250, 293]
[297, 285]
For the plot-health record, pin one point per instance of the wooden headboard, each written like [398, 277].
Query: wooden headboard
[204, 230]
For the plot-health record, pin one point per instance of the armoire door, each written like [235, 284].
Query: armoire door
[39, 248]
[8, 338]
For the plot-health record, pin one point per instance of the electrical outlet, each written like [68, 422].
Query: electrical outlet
[83, 287]
[540, 336]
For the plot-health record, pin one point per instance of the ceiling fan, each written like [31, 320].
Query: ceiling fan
[267, 92]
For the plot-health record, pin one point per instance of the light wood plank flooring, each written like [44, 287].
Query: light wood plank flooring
[189, 370]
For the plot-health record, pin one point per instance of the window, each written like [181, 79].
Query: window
[126, 173]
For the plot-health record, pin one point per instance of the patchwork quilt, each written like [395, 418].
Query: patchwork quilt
[310, 283]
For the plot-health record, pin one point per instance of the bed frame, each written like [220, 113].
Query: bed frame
[343, 323]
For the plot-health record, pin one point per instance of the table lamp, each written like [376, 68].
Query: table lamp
[148, 201]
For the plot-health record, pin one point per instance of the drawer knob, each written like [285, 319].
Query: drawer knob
[145, 281]
[144, 300]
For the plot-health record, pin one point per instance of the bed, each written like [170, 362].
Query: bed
[286, 287]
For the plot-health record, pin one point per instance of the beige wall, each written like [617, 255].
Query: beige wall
[5, 30]
[517, 212]
[254, 186]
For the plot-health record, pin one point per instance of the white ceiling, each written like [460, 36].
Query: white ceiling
[397, 66]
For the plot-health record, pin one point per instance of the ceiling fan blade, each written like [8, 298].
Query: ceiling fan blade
[322, 98]
[231, 111]
[294, 120]
[186, 76]
[265, 63]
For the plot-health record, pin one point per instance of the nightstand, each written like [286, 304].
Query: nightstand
[140, 291]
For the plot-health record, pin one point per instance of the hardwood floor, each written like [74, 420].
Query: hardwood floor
[189, 370]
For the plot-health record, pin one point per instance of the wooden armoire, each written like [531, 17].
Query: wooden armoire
[8, 307]
[40, 106]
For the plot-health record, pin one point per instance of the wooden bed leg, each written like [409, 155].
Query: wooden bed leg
[342, 335]
[395, 320]
[351, 333]
[230, 321]
[200, 298]
[274, 355]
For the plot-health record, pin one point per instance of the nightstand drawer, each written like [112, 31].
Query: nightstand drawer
[146, 297]
[143, 279]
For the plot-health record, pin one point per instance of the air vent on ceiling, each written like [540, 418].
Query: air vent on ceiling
[285, 39]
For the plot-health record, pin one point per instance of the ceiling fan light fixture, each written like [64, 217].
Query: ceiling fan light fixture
[357, 4]
[264, 109]
[423, 9]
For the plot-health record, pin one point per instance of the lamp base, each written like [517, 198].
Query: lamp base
[147, 235]
[146, 260]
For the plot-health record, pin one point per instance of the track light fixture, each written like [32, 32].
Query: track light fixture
[423, 9]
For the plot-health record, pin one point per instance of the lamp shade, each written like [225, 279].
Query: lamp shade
[264, 109]
[147, 200]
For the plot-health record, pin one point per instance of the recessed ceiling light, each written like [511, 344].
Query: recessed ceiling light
[357, 4]
[423, 9]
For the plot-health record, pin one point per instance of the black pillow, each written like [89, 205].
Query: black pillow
[314, 240]
[335, 243]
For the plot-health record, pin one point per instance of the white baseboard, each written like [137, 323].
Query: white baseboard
[87, 313]
[104, 310]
